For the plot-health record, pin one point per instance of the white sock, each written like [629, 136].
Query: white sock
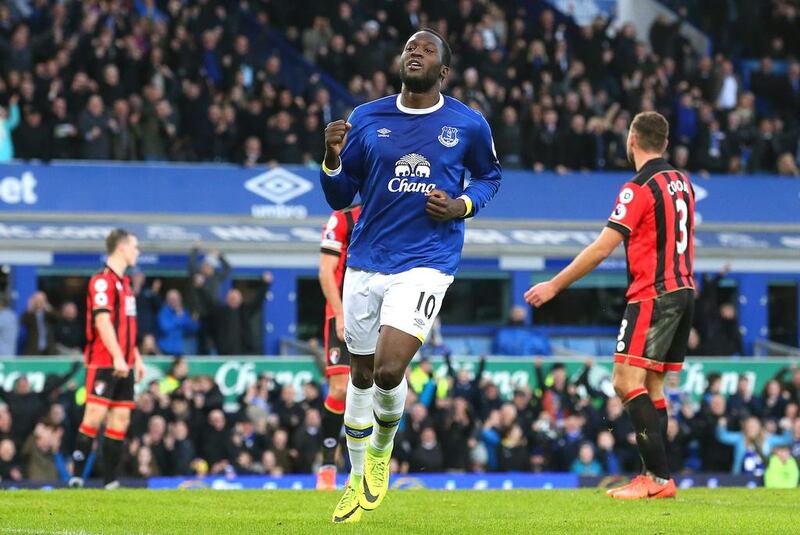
[388, 409]
[358, 424]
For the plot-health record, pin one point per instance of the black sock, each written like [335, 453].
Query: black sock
[331, 429]
[83, 447]
[112, 451]
[648, 435]
[663, 420]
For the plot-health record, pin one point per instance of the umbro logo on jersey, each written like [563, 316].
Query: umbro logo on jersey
[384, 132]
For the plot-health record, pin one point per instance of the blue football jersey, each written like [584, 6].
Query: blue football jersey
[394, 156]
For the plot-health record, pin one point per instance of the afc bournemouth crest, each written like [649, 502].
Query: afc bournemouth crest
[449, 136]
[333, 355]
[99, 388]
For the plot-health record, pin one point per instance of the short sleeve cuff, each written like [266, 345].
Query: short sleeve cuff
[332, 172]
[619, 227]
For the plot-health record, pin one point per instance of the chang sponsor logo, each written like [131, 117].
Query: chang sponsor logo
[406, 170]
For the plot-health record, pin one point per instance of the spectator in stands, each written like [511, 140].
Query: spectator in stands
[278, 460]
[456, 431]
[10, 470]
[428, 455]
[9, 120]
[148, 304]
[252, 155]
[148, 346]
[179, 448]
[773, 401]
[790, 385]
[68, 331]
[715, 455]
[39, 322]
[205, 292]
[605, 453]
[216, 446]
[236, 331]
[126, 132]
[787, 165]
[586, 464]
[174, 325]
[782, 471]
[32, 138]
[9, 329]
[465, 387]
[751, 446]
[64, 131]
[517, 339]
[94, 127]
[153, 439]
[43, 460]
[306, 442]
[546, 143]
[576, 148]
[290, 413]
[742, 403]
[509, 139]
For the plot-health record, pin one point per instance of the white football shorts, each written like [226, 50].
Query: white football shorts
[408, 301]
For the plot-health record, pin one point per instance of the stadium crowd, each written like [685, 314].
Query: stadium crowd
[454, 422]
[205, 81]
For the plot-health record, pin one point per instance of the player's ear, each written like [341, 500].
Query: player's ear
[443, 72]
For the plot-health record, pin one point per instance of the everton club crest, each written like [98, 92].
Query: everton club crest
[449, 136]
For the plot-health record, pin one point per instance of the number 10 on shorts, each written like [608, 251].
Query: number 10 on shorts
[429, 306]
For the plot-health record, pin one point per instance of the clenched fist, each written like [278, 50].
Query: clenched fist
[335, 139]
[441, 207]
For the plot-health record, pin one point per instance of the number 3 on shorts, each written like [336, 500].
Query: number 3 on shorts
[622, 329]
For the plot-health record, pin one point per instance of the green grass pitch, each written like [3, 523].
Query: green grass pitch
[428, 512]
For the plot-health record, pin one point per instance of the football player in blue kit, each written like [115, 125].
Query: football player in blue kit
[421, 163]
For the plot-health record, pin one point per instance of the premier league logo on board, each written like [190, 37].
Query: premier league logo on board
[449, 136]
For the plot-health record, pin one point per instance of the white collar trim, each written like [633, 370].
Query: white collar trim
[420, 111]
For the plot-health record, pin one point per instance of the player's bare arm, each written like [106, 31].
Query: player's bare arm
[441, 207]
[335, 140]
[330, 289]
[582, 265]
[138, 366]
[105, 329]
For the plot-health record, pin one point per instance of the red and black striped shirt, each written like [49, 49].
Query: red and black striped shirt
[655, 213]
[335, 241]
[110, 294]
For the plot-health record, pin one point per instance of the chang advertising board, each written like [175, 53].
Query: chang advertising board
[234, 375]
